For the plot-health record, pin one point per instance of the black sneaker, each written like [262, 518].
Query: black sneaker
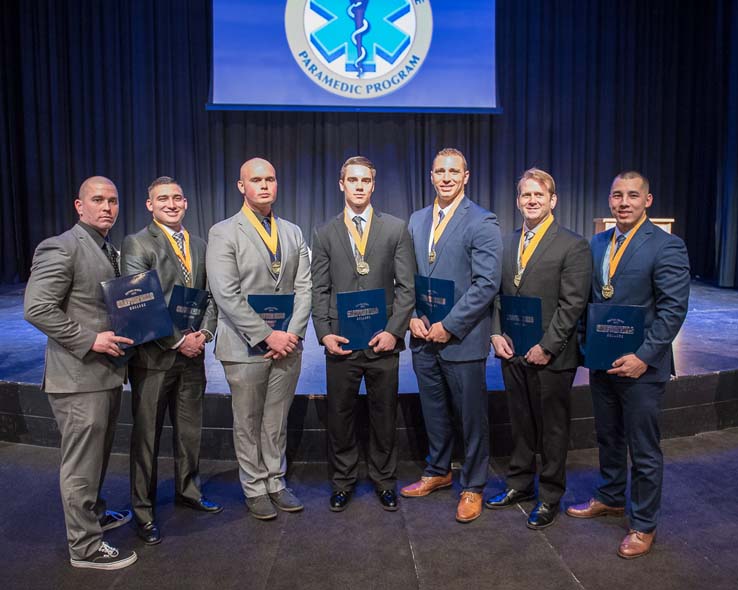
[112, 519]
[106, 558]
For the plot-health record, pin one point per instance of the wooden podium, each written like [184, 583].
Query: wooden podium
[603, 223]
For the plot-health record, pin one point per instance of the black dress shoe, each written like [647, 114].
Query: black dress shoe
[388, 499]
[543, 515]
[509, 497]
[148, 532]
[203, 504]
[339, 500]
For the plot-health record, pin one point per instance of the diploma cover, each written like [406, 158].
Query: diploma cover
[434, 298]
[612, 331]
[275, 310]
[521, 321]
[187, 307]
[137, 308]
[361, 316]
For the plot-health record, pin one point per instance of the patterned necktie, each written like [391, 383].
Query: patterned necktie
[112, 255]
[528, 237]
[179, 238]
[358, 222]
[619, 242]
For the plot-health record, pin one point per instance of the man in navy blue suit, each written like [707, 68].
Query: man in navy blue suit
[456, 240]
[635, 263]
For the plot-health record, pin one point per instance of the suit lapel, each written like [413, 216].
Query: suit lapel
[251, 234]
[339, 227]
[543, 245]
[510, 258]
[96, 251]
[284, 247]
[599, 247]
[642, 235]
[374, 231]
[426, 227]
[164, 246]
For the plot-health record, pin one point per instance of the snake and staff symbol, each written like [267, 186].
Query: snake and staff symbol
[357, 10]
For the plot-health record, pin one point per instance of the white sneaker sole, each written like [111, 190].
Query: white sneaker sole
[81, 563]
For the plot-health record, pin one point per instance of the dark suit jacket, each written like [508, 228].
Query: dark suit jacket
[150, 249]
[64, 300]
[469, 253]
[391, 260]
[559, 272]
[654, 273]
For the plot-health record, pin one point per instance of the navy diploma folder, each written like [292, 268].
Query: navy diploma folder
[612, 331]
[434, 298]
[187, 307]
[521, 321]
[137, 308]
[275, 310]
[361, 316]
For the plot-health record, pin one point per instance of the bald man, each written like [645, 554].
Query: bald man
[256, 252]
[64, 300]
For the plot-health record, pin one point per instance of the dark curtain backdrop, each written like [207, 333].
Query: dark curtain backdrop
[588, 88]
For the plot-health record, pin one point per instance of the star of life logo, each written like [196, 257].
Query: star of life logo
[359, 49]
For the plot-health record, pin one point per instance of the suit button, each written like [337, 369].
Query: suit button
[277, 289]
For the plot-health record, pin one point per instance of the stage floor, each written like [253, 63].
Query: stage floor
[706, 344]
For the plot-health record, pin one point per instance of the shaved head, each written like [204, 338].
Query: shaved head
[258, 185]
[248, 165]
[93, 183]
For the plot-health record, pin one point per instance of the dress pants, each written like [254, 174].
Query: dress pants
[627, 419]
[86, 422]
[179, 390]
[343, 376]
[459, 388]
[261, 396]
[538, 402]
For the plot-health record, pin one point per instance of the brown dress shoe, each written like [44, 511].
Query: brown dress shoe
[426, 485]
[592, 508]
[635, 544]
[470, 507]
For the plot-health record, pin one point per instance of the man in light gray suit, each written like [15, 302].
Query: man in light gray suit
[64, 300]
[170, 372]
[358, 250]
[256, 252]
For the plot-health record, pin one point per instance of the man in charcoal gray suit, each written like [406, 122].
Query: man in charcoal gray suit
[168, 373]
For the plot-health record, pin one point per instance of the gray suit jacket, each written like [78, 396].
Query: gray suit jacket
[238, 264]
[559, 272]
[389, 252]
[64, 300]
[150, 249]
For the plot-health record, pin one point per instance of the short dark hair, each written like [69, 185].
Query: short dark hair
[358, 161]
[630, 175]
[162, 180]
[452, 152]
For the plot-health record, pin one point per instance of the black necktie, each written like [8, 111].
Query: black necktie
[112, 255]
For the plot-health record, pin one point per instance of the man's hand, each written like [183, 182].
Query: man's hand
[383, 342]
[418, 329]
[107, 343]
[333, 342]
[628, 366]
[537, 356]
[438, 333]
[192, 345]
[280, 344]
[503, 346]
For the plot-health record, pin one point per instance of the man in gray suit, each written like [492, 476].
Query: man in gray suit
[256, 252]
[168, 373]
[64, 300]
[546, 261]
[455, 240]
[358, 250]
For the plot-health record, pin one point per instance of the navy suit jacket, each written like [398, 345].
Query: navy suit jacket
[654, 273]
[469, 253]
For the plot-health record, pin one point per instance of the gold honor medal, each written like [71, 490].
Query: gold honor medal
[276, 266]
[608, 291]
[362, 267]
[517, 279]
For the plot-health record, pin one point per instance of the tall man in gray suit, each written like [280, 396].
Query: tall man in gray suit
[459, 241]
[256, 252]
[168, 373]
[545, 261]
[64, 300]
[361, 249]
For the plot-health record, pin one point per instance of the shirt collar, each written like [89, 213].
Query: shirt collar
[365, 215]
